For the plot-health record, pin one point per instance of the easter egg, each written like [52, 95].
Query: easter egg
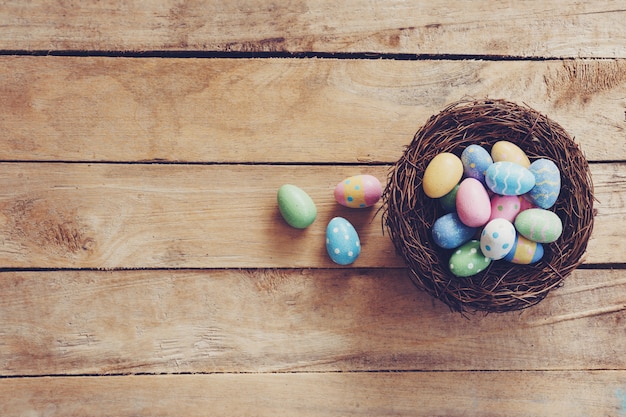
[508, 178]
[448, 201]
[547, 183]
[358, 191]
[442, 174]
[296, 206]
[468, 260]
[449, 231]
[497, 238]
[472, 203]
[342, 241]
[539, 225]
[475, 161]
[524, 251]
[507, 151]
[505, 207]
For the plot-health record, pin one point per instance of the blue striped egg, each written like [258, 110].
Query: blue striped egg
[547, 183]
[475, 161]
[449, 231]
[508, 178]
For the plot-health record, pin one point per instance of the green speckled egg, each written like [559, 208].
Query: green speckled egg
[296, 206]
[468, 260]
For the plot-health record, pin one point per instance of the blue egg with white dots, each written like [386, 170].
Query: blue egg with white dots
[475, 161]
[342, 241]
[497, 239]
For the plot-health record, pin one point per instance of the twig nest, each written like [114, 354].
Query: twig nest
[409, 214]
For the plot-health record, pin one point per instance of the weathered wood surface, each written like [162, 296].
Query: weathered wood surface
[216, 216]
[304, 110]
[234, 321]
[517, 394]
[538, 28]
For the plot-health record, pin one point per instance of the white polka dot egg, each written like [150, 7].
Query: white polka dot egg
[497, 238]
[342, 241]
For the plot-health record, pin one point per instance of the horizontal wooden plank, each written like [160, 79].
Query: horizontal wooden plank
[517, 394]
[537, 28]
[105, 322]
[303, 110]
[216, 216]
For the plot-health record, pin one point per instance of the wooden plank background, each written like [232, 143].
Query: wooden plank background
[146, 269]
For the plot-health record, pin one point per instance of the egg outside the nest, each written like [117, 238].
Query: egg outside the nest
[296, 206]
[358, 191]
[342, 241]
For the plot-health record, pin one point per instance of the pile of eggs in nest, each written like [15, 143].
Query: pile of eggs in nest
[497, 206]
[342, 240]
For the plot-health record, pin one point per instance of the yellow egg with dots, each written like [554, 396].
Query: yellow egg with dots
[442, 174]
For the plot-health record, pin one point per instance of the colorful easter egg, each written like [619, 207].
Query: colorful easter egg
[508, 151]
[442, 174]
[508, 178]
[449, 232]
[468, 260]
[472, 203]
[539, 225]
[497, 238]
[448, 201]
[505, 207]
[524, 251]
[475, 161]
[342, 241]
[547, 183]
[296, 206]
[358, 191]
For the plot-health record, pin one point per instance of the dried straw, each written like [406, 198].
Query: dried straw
[409, 214]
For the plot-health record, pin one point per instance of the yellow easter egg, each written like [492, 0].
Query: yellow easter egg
[442, 174]
[505, 151]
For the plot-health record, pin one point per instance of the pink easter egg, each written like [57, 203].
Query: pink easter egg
[505, 207]
[472, 203]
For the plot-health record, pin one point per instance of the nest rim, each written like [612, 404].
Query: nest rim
[408, 214]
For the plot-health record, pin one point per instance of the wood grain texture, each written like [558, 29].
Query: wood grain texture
[215, 216]
[522, 394]
[303, 110]
[233, 321]
[555, 28]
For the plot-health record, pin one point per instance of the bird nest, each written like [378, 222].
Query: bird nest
[409, 214]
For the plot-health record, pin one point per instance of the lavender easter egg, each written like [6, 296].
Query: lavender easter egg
[475, 161]
[468, 260]
[508, 178]
[547, 183]
[507, 151]
[497, 238]
[443, 172]
[524, 251]
[342, 241]
[505, 207]
[472, 203]
[358, 191]
[539, 225]
[449, 232]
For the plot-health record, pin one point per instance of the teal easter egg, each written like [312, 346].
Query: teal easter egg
[505, 207]
[547, 183]
[539, 225]
[342, 241]
[358, 191]
[296, 206]
[508, 151]
[475, 161]
[508, 178]
[449, 232]
[468, 260]
[497, 238]
[472, 203]
[524, 251]
[448, 201]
